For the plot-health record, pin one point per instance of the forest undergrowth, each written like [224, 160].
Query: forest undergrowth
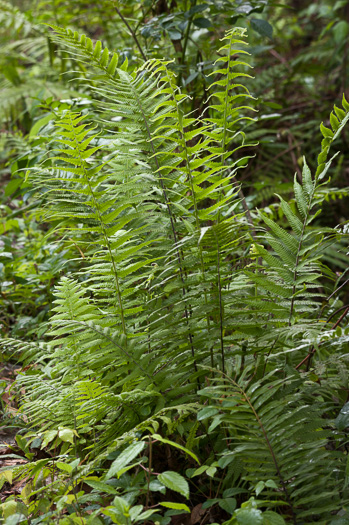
[173, 265]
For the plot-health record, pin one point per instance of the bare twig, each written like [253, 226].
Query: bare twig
[307, 359]
[246, 209]
[133, 34]
[293, 156]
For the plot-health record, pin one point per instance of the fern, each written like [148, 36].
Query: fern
[169, 283]
[270, 430]
[23, 46]
[88, 198]
[294, 271]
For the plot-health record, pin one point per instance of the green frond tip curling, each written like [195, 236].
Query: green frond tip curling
[240, 32]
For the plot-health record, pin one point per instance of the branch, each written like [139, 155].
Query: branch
[313, 350]
[133, 34]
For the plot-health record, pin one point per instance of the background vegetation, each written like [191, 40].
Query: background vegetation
[173, 262]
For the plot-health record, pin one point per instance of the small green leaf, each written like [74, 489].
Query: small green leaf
[74, 464]
[262, 27]
[89, 45]
[40, 124]
[215, 422]
[334, 122]
[145, 515]
[112, 64]
[228, 504]
[66, 434]
[174, 35]
[259, 487]
[12, 186]
[64, 466]
[198, 471]
[206, 413]
[98, 49]
[202, 22]
[36, 443]
[249, 517]
[128, 467]
[209, 502]
[16, 519]
[156, 486]
[121, 504]
[339, 112]
[176, 445]
[8, 508]
[177, 506]
[6, 475]
[105, 57]
[48, 437]
[125, 457]
[93, 519]
[135, 512]
[22, 442]
[271, 518]
[341, 31]
[197, 9]
[327, 132]
[100, 486]
[342, 420]
[245, 8]
[174, 481]
[271, 484]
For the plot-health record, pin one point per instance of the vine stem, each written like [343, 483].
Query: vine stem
[312, 351]
[133, 34]
[149, 471]
[185, 44]
[246, 209]
[221, 314]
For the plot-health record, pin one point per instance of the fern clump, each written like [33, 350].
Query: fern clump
[184, 302]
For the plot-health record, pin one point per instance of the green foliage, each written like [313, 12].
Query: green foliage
[192, 355]
[270, 428]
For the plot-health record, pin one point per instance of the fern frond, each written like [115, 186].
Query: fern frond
[295, 269]
[86, 51]
[338, 119]
[273, 433]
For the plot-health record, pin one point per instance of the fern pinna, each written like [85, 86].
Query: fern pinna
[183, 295]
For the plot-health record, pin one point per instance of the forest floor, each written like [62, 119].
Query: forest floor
[8, 448]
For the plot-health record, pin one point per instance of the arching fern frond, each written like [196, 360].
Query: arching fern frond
[87, 52]
[295, 268]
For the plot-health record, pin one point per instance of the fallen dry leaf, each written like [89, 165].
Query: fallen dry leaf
[196, 514]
